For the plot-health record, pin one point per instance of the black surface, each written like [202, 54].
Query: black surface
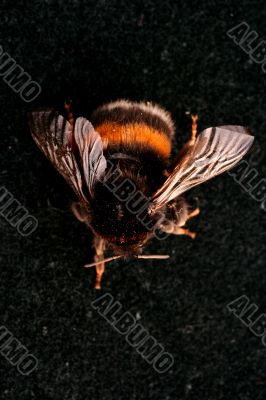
[177, 54]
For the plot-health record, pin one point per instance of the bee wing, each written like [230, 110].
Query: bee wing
[54, 136]
[91, 152]
[216, 150]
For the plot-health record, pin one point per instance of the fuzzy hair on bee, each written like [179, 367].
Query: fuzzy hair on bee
[119, 166]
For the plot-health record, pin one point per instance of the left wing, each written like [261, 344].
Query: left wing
[55, 137]
[91, 152]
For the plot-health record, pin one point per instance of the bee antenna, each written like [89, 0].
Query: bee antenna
[147, 257]
[155, 256]
[102, 261]
[70, 117]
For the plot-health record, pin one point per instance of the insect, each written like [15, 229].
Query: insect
[119, 165]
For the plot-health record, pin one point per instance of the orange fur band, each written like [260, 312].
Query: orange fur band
[135, 133]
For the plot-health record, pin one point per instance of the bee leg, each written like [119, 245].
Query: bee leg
[194, 128]
[99, 271]
[99, 245]
[193, 213]
[80, 212]
[70, 117]
[184, 231]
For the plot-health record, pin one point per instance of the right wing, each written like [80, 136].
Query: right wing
[216, 150]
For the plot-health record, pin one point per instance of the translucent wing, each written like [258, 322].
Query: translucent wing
[54, 136]
[215, 151]
[91, 152]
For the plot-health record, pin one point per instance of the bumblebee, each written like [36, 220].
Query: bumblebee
[119, 165]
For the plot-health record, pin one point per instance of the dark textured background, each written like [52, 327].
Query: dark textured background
[177, 54]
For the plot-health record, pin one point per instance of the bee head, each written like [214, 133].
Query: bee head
[121, 216]
[128, 247]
